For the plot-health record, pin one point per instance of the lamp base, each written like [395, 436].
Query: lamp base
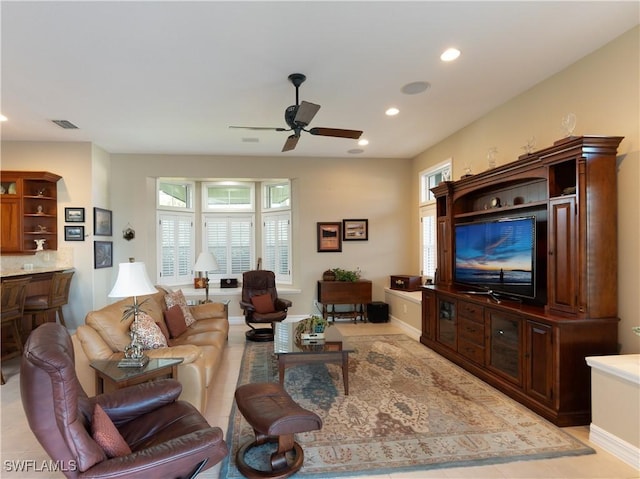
[133, 362]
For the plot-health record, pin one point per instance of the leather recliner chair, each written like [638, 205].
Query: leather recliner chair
[261, 304]
[168, 438]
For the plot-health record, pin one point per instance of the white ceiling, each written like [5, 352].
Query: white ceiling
[170, 77]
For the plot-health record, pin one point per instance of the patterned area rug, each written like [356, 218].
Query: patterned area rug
[408, 409]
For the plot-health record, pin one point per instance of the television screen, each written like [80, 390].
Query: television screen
[497, 255]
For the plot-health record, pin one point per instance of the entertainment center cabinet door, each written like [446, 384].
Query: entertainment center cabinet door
[447, 327]
[505, 345]
[428, 314]
[539, 362]
[562, 287]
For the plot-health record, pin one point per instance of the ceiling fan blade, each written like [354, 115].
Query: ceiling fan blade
[337, 132]
[260, 128]
[291, 143]
[306, 112]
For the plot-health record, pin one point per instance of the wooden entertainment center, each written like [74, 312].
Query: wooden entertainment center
[534, 349]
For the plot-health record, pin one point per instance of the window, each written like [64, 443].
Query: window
[431, 178]
[276, 245]
[428, 253]
[228, 196]
[276, 195]
[428, 216]
[175, 195]
[227, 228]
[231, 240]
[176, 248]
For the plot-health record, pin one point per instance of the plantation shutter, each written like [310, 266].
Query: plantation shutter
[276, 245]
[230, 240]
[428, 240]
[176, 237]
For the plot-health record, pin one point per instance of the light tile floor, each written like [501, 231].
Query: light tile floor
[18, 444]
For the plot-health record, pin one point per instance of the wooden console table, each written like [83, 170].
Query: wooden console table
[355, 294]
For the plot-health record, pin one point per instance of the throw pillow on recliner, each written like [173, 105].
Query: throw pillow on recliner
[104, 432]
[263, 303]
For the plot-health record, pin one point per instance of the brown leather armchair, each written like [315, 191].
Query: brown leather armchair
[261, 304]
[168, 438]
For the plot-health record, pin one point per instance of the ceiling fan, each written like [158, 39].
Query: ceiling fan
[299, 116]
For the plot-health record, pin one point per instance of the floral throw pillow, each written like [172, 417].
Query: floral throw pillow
[177, 297]
[149, 333]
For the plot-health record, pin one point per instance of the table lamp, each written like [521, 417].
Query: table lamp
[132, 281]
[206, 262]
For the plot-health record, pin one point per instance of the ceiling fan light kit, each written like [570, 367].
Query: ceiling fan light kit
[299, 116]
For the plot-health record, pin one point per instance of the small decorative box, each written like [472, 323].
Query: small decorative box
[406, 283]
[228, 283]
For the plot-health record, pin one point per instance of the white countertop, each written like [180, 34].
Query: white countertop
[625, 366]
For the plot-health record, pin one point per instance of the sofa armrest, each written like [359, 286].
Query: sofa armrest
[124, 405]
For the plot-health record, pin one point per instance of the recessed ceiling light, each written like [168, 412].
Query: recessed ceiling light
[355, 151]
[3, 118]
[363, 142]
[450, 54]
[392, 111]
[415, 87]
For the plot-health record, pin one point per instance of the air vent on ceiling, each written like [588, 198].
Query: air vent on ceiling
[250, 139]
[67, 125]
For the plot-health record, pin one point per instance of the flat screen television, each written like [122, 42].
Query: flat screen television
[497, 256]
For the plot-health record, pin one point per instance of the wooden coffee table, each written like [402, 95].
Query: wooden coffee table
[109, 376]
[292, 352]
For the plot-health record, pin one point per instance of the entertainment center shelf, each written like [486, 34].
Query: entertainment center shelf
[530, 342]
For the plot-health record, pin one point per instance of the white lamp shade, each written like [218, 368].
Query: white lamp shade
[206, 262]
[132, 281]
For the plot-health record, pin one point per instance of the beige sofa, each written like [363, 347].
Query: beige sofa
[105, 335]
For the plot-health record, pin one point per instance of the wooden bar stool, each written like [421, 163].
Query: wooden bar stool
[40, 305]
[13, 292]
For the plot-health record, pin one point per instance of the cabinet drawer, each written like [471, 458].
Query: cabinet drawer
[471, 351]
[471, 331]
[471, 311]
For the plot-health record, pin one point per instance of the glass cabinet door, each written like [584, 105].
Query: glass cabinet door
[447, 322]
[505, 345]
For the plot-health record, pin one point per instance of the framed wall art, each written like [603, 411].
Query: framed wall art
[102, 254]
[329, 237]
[74, 233]
[355, 230]
[102, 222]
[74, 215]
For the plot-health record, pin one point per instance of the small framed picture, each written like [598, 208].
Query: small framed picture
[355, 230]
[74, 215]
[329, 237]
[102, 222]
[74, 233]
[102, 254]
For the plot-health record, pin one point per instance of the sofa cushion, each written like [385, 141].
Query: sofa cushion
[104, 432]
[148, 333]
[263, 303]
[175, 320]
[177, 297]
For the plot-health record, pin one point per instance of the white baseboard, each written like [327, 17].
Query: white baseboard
[621, 449]
[412, 332]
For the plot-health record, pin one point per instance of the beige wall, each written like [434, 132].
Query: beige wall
[323, 190]
[603, 90]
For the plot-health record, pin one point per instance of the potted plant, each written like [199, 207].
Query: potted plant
[312, 327]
